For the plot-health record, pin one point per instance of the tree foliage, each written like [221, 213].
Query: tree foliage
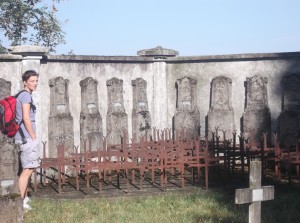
[30, 22]
[3, 50]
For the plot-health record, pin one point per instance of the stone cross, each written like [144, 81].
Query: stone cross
[255, 194]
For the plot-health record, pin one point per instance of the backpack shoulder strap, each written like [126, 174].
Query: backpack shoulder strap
[20, 129]
[17, 95]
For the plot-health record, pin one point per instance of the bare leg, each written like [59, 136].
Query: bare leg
[24, 180]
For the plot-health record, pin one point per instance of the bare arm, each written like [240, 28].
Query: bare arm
[26, 120]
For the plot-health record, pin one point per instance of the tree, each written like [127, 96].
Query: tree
[27, 22]
[48, 32]
[2, 49]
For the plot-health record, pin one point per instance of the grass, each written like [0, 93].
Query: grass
[207, 207]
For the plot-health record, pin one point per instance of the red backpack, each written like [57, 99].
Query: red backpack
[8, 124]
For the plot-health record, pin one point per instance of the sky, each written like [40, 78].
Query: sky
[191, 27]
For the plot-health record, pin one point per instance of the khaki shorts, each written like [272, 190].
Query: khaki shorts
[30, 154]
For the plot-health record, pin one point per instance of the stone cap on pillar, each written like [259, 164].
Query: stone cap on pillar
[158, 52]
[29, 50]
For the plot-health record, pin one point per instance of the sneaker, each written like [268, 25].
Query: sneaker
[26, 199]
[26, 206]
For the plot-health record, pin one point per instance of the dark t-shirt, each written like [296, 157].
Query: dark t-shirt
[24, 98]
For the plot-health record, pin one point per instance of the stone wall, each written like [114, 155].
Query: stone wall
[9, 165]
[11, 210]
[104, 95]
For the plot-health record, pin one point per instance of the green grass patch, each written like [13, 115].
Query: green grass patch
[211, 207]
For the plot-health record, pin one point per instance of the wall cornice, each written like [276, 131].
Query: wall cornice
[235, 57]
[178, 59]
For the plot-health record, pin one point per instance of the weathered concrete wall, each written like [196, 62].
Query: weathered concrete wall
[237, 68]
[100, 70]
[160, 72]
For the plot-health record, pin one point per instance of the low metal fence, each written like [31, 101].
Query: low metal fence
[163, 158]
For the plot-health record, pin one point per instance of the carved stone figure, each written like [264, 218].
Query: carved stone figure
[221, 94]
[60, 98]
[5, 87]
[257, 96]
[220, 116]
[141, 118]
[60, 119]
[187, 116]
[257, 116]
[90, 119]
[116, 119]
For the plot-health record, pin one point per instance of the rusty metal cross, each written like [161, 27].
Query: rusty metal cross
[255, 194]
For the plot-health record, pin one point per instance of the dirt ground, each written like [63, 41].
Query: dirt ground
[219, 180]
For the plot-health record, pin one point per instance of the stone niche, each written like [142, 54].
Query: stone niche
[116, 120]
[289, 119]
[141, 118]
[220, 118]
[257, 117]
[187, 115]
[90, 119]
[60, 119]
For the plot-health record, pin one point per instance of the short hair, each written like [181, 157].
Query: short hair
[29, 73]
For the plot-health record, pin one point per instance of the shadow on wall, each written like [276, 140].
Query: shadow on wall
[289, 119]
[257, 115]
